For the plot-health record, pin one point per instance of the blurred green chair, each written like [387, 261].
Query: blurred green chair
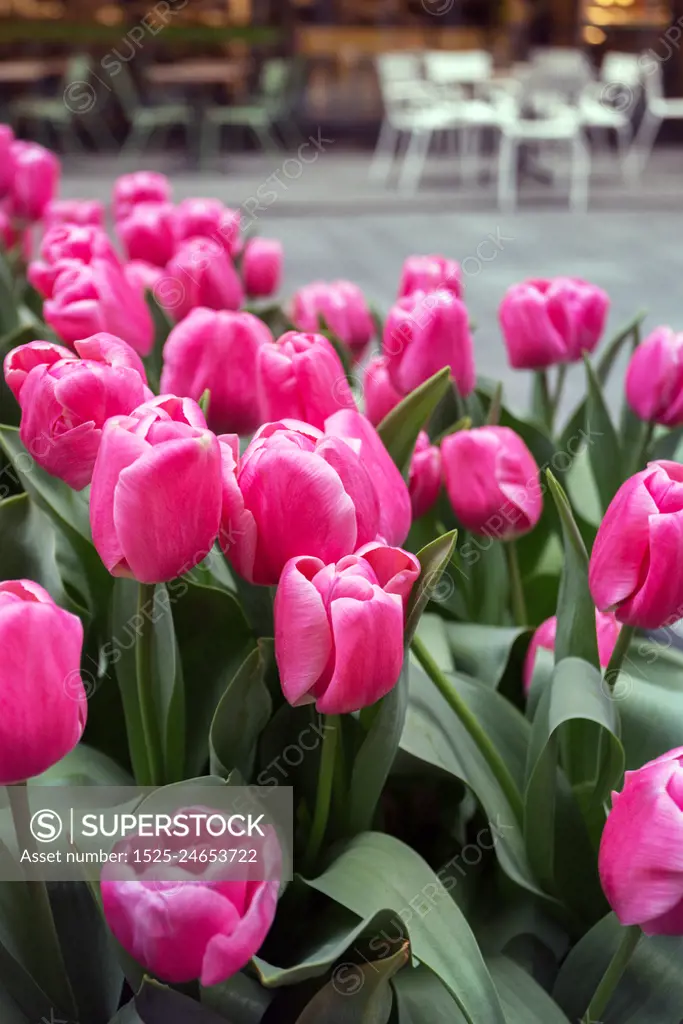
[147, 116]
[269, 113]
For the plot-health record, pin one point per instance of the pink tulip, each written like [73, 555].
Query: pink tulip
[155, 501]
[35, 180]
[640, 851]
[86, 212]
[148, 232]
[294, 491]
[424, 332]
[342, 308]
[218, 350]
[339, 628]
[209, 218]
[654, 379]
[392, 493]
[182, 924]
[65, 401]
[301, 377]
[139, 187]
[492, 481]
[88, 299]
[143, 277]
[380, 394]
[262, 267]
[11, 236]
[424, 480]
[44, 705]
[607, 628]
[200, 273]
[551, 321]
[430, 274]
[6, 161]
[634, 569]
[67, 246]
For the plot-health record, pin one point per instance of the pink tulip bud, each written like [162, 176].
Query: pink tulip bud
[86, 212]
[6, 160]
[301, 377]
[294, 491]
[147, 232]
[35, 180]
[339, 628]
[430, 274]
[44, 705]
[633, 569]
[654, 379]
[424, 332]
[424, 481]
[209, 218]
[66, 246]
[607, 628]
[380, 394]
[341, 306]
[65, 401]
[641, 844]
[144, 277]
[139, 187]
[200, 274]
[88, 299]
[218, 350]
[262, 267]
[492, 481]
[184, 923]
[392, 494]
[551, 321]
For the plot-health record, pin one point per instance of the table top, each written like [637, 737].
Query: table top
[196, 72]
[30, 70]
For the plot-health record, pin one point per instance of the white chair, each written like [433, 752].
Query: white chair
[458, 67]
[658, 108]
[566, 70]
[609, 103]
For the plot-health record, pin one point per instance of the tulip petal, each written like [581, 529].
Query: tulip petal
[659, 601]
[118, 449]
[226, 955]
[303, 639]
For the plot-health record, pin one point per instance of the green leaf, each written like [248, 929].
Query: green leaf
[483, 652]
[124, 632]
[9, 306]
[523, 999]
[376, 872]
[422, 998]
[434, 558]
[84, 766]
[648, 696]
[400, 427]
[613, 347]
[10, 1012]
[357, 993]
[242, 713]
[606, 459]
[28, 546]
[127, 1015]
[23, 977]
[240, 999]
[157, 1004]
[163, 326]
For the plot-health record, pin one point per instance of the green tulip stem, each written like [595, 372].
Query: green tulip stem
[143, 667]
[559, 388]
[643, 448]
[612, 976]
[516, 588]
[471, 723]
[546, 402]
[618, 654]
[328, 758]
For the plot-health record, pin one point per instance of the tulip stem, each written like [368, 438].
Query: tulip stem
[144, 655]
[544, 401]
[516, 588]
[643, 448]
[612, 976]
[618, 654]
[559, 387]
[328, 757]
[471, 723]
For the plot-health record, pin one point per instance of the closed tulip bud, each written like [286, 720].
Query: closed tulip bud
[425, 332]
[144, 277]
[88, 299]
[65, 401]
[429, 274]
[67, 246]
[492, 481]
[392, 494]
[424, 480]
[200, 273]
[634, 562]
[188, 925]
[209, 218]
[607, 629]
[147, 233]
[654, 379]
[339, 628]
[262, 267]
[551, 321]
[139, 187]
[641, 844]
[380, 394]
[341, 306]
[300, 376]
[218, 350]
[155, 501]
[6, 161]
[35, 180]
[294, 491]
[44, 705]
[86, 212]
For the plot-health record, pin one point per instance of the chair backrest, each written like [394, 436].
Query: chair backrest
[621, 69]
[77, 69]
[444, 67]
[563, 71]
[399, 66]
[126, 90]
[651, 76]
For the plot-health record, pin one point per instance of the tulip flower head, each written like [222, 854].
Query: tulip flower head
[424, 479]
[262, 260]
[35, 179]
[340, 306]
[139, 187]
[380, 394]
[607, 628]
[428, 274]
[654, 379]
